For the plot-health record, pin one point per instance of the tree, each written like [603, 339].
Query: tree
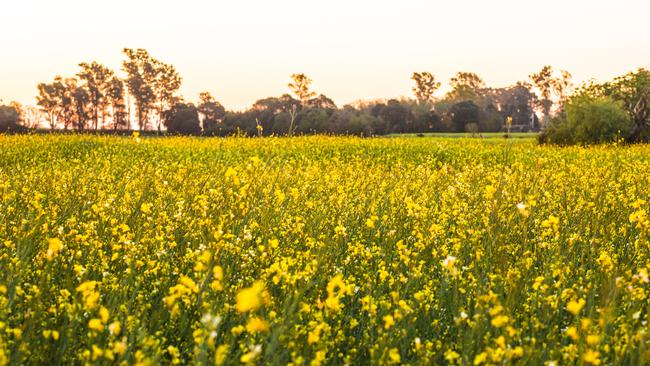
[633, 91]
[321, 101]
[517, 102]
[300, 87]
[183, 119]
[49, 100]
[211, 111]
[463, 113]
[97, 81]
[9, 118]
[465, 86]
[266, 112]
[547, 84]
[394, 114]
[425, 86]
[30, 116]
[80, 99]
[562, 86]
[115, 97]
[141, 73]
[589, 120]
[165, 85]
[65, 89]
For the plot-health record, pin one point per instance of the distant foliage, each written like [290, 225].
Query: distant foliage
[183, 119]
[9, 119]
[589, 120]
[147, 99]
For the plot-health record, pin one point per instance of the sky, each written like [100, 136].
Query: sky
[245, 50]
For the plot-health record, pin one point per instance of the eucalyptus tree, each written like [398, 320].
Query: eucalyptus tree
[465, 86]
[300, 86]
[115, 97]
[48, 100]
[141, 73]
[165, 85]
[425, 86]
[97, 81]
[548, 84]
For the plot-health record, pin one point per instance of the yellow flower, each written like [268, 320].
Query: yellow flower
[451, 355]
[593, 339]
[97, 352]
[96, 324]
[394, 356]
[145, 208]
[574, 307]
[336, 286]
[605, 261]
[333, 303]
[54, 245]
[220, 354]
[115, 328]
[188, 283]
[251, 355]
[388, 321]
[591, 357]
[336, 289]
[256, 325]
[313, 336]
[572, 332]
[103, 314]
[449, 263]
[90, 296]
[480, 358]
[4, 360]
[250, 298]
[523, 209]
[119, 348]
[51, 334]
[318, 359]
[499, 321]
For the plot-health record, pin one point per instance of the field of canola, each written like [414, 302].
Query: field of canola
[322, 250]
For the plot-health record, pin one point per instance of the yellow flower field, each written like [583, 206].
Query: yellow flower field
[322, 250]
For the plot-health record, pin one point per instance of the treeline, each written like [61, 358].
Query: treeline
[147, 99]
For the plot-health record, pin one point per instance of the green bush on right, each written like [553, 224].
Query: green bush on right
[588, 120]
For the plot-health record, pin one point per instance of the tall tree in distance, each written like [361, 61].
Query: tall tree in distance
[65, 89]
[425, 86]
[115, 97]
[140, 70]
[562, 86]
[30, 116]
[547, 84]
[81, 100]
[465, 86]
[300, 87]
[96, 78]
[48, 100]
[165, 85]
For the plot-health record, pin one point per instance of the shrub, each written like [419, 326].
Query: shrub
[588, 120]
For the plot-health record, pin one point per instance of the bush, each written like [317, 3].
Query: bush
[588, 120]
[9, 119]
[183, 119]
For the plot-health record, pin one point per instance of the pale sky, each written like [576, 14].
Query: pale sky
[244, 50]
